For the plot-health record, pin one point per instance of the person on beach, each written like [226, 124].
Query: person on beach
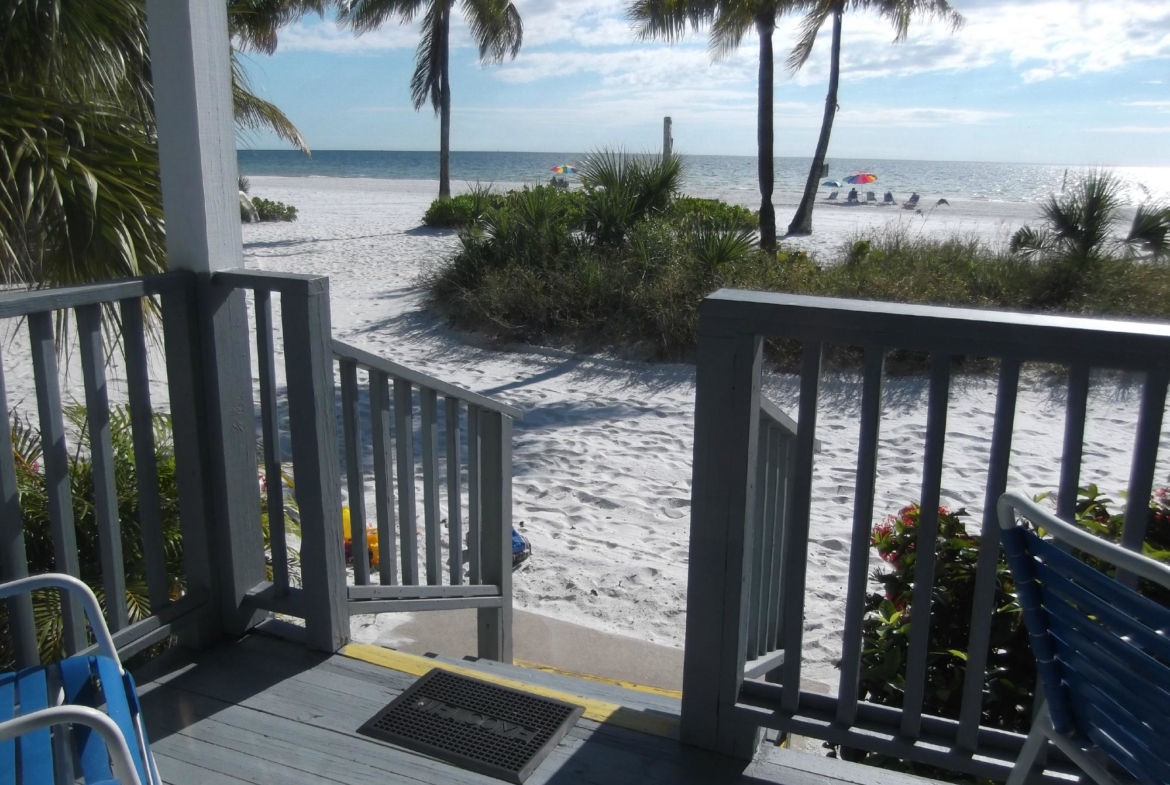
[852, 195]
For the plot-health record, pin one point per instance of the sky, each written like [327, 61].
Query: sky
[1029, 81]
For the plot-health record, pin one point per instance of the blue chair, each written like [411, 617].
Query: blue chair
[1102, 650]
[37, 703]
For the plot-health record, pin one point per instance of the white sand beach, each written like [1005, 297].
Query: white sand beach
[602, 462]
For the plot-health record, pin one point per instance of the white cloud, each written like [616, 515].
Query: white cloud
[1132, 129]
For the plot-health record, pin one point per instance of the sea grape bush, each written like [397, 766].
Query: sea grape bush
[1009, 682]
[269, 210]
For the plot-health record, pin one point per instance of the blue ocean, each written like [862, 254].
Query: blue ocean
[727, 177]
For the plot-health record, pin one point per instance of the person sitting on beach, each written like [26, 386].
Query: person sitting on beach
[888, 198]
[852, 195]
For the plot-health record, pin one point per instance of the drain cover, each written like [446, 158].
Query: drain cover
[478, 726]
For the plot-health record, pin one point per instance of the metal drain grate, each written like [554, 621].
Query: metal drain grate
[478, 726]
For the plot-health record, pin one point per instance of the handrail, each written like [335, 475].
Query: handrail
[1105, 343]
[16, 303]
[345, 351]
[777, 416]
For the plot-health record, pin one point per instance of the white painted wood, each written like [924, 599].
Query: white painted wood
[190, 68]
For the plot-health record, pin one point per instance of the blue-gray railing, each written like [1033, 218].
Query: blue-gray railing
[211, 400]
[733, 579]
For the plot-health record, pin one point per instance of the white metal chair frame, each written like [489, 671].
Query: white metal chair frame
[120, 758]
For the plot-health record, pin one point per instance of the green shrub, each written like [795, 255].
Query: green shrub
[269, 210]
[715, 212]
[462, 210]
[38, 538]
[1008, 689]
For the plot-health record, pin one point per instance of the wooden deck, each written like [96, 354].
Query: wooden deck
[265, 710]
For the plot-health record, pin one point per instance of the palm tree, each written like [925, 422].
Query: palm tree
[899, 12]
[729, 20]
[1081, 225]
[495, 26]
[80, 197]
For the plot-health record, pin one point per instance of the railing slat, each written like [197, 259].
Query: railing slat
[756, 609]
[383, 478]
[983, 603]
[474, 566]
[781, 477]
[56, 468]
[270, 428]
[797, 523]
[919, 645]
[13, 557]
[429, 417]
[1074, 442]
[770, 541]
[1145, 455]
[105, 489]
[494, 625]
[454, 489]
[354, 474]
[407, 514]
[867, 450]
[145, 463]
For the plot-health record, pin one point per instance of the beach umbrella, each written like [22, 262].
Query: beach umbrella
[831, 183]
[564, 169]
[863, 178]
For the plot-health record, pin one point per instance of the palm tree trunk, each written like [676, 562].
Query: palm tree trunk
[802, 221]
[765, 25]
[445, 106]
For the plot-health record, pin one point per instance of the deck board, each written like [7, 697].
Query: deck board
[261, 710]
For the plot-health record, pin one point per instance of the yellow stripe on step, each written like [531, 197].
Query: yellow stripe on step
[626, 685]
[598, 711]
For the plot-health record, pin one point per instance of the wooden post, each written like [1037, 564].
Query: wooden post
[727, 404]
[667, 138]
[190, 69]
[313, 425]
[495, 624]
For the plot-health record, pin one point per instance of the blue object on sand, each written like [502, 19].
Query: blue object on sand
[831, 183]
[521, 549]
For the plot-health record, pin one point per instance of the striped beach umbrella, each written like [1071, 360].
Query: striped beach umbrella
[564, 169]
[862, 178]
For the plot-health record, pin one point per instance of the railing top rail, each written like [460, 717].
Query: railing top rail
[777, 416]
[24, 302]
[344, 351]
[272, 281]
[1108, 343]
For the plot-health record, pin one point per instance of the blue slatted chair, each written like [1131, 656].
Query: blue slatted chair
[1102, 650]
[64, 700]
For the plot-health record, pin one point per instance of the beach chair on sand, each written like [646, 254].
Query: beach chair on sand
[1102, 650]
[110, 746]
[870, 198]
[831, 197]
[888, 198]
[911, 203]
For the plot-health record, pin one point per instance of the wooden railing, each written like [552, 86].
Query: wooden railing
[483, 446]
[126, 300]
[226, 564]
[731, 571]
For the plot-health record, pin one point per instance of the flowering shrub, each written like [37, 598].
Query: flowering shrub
[886, 629]
[1011, 671]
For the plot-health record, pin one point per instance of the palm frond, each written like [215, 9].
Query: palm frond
[426, 83]
[731, 24]
[363, 16]
[496, 28]
[255, 24]
[1150, 231]
[1029, 242]
[668, 20]
[253, 113]
[810, 28]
